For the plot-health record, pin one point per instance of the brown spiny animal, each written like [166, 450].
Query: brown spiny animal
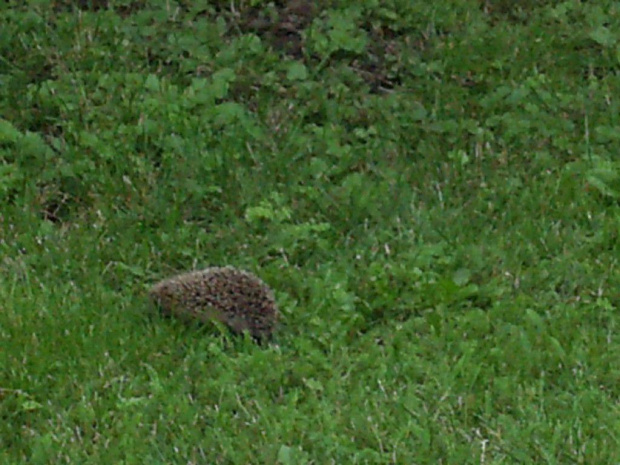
[236, 298]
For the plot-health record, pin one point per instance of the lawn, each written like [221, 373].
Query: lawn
[432, 189]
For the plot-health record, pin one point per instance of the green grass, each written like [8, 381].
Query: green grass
[433, 192]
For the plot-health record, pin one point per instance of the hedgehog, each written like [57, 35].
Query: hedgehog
[236, 298]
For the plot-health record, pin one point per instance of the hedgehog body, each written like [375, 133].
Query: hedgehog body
[234, 297]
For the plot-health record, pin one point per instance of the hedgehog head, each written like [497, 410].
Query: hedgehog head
[165, 294]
